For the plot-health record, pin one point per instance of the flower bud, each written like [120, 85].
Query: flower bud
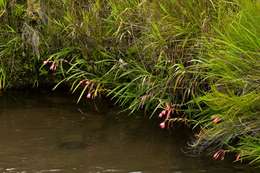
[87, 82]
[163, 112]
[46, 62]
[238, 157]
[216, 120]
[52, 67]
[81, 82]
[162, 125]
[89, 95]
[219, 155]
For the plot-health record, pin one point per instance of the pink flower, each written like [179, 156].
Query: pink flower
[238, 157]
[46, 62]
[53, 67]
[162, 113]
[87, 82]
[162, 125]
[89, 95]
[219, 154]
[216, 120]
[84, 82]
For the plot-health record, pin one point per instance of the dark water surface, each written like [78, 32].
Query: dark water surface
[46, 133]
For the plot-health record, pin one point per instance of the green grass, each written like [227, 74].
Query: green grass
[231, 67]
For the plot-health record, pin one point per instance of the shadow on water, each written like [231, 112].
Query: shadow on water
[43, 133]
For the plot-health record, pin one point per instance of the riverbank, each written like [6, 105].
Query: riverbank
[186, 62]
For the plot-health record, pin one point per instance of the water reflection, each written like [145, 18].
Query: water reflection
[43, 133]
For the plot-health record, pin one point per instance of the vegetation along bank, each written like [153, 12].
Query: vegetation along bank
[194, 62]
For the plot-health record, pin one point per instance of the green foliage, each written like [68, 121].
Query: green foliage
[250, 149]
[231, 67]
[3, 4]
[2, 78]
[137, 41]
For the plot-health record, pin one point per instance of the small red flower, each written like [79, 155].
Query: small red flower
[162, 125]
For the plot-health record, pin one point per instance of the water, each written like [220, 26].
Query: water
[49, 133]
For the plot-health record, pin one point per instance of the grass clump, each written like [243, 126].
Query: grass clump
[232, 70]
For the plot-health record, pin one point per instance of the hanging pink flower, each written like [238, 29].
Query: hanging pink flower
[163, 113]
[87, 82]
[162, 125]
[84, 82]
[219, 154]
[89, 95]
[46, 62]
[238, 157]
[53, 67]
